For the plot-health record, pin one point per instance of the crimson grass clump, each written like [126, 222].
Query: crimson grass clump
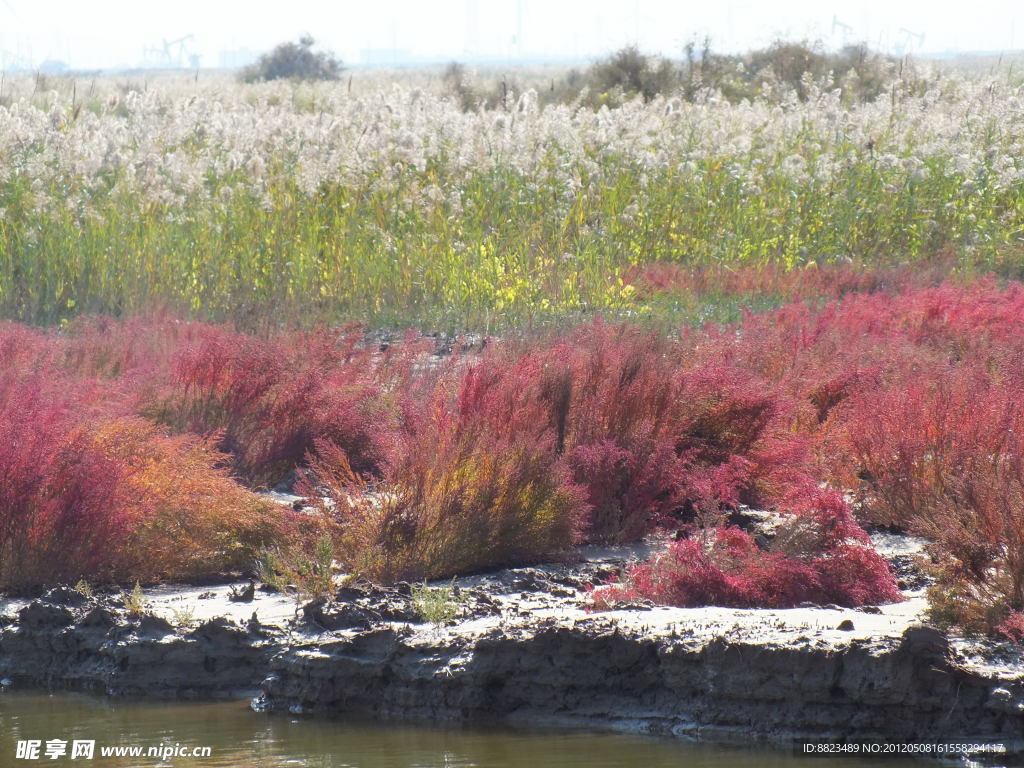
[268, 401]
[716, 443]
[89, 491]
[819, 555]
[1012, 627]
[613, 396]
[60, 511]
[457, 494]
[648, 437]
[943, 457]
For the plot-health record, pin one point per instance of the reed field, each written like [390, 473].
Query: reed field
[672, 310]
[389, 204]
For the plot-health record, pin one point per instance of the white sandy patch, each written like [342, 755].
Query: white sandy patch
[284, 499]
[889, 544]
[9, 606]
[203, 603]
[794, 627]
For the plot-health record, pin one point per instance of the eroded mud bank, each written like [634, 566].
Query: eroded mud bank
[524, 650]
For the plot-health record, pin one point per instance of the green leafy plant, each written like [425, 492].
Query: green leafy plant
[309, 574]
[269, 570]
[135, 601]
[185, 615]
[83, 588]
[315, 572]
[435, 605]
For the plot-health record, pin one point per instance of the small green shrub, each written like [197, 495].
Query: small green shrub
[435, 605]
[184, 616]
[630, 72]
[315, 572]
[269, 570]
[83, 588]
[311, 574]
[134, 601]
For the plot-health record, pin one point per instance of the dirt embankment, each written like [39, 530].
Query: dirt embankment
[523, 649]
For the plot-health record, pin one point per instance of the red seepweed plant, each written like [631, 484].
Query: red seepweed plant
[647, 436]
[605, 433]
[87, 490]
[819, 555]
[457, 494]
[270, 400]
[943, 455]
[56, 498]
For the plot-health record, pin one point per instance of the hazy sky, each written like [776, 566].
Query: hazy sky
[110, 33]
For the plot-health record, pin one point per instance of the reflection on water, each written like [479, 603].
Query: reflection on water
[241, 738]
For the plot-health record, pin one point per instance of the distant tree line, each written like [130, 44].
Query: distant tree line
[860, 73]
[793, 67]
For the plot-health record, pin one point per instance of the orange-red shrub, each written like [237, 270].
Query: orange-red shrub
[88, 491]
[457, 495]
[182, 517]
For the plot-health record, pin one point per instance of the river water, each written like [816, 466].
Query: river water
[240, 738]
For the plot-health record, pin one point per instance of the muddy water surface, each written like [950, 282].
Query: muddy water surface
[240, 738]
